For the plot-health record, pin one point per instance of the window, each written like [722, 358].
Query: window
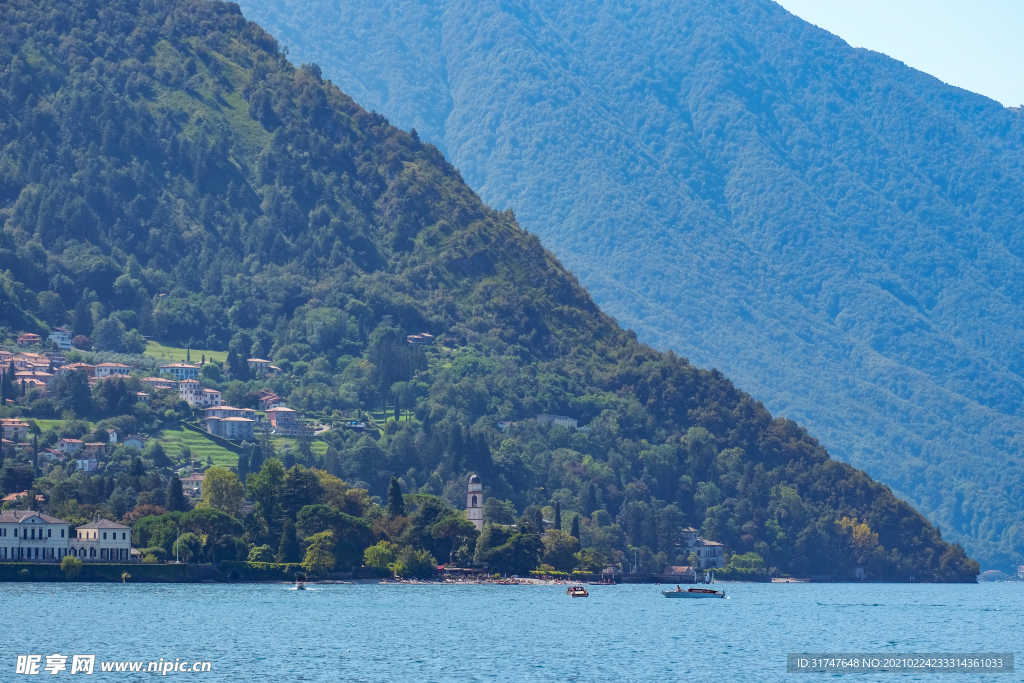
[49, 532]
[104, 535]
[62, 533]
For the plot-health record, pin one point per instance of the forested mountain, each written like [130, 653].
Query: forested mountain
[837, 232]
[164, 166]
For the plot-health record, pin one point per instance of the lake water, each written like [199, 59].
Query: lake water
[392, 633]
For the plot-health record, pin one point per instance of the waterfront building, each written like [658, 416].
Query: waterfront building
[31, 535]
[102, 541]
[710, 554]
[475, 502]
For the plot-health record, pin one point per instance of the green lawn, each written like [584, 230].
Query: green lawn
[55, 424]
[172, 353]
[318, 447]
[175, 439]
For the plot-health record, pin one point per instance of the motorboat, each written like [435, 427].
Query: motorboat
[577, 592]
[693, 593]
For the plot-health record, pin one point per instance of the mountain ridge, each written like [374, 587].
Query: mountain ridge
[165, 169]
[833, 229]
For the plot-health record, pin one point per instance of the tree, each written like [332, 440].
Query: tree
[520, 555]
[591, 500]
[243, 466]
[558, 515]
[223, 491]
[299, 488]
[455, 528]
[319, 559]
[158, 455]
[7, 392]
[575, 532]
[261, 553]
[538, 521]
[71, 392]
[499, 511]
[288, 549]
[559, 549]
[396, 503]
[71, 566]
[175, 496]
[412, 563]
[109, 335]
[218, 527]
[264, 488]
[380, 556]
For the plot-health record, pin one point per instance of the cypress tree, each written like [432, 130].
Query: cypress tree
[575, 527]
[288, 551]
[396, 504]
[538, 520]
[175, 495]
[243, 466]
[427, 426]
[256, 460]
[591, 499]
[7, 385]
[558, 515]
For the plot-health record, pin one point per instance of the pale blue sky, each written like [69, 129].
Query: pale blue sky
[977, 45]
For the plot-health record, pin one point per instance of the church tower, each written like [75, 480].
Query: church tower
[475, 502]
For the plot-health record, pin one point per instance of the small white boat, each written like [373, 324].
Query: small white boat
[694, 593]
[577, 592]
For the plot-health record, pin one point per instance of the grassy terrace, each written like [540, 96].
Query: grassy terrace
[173, 353]
[175, 439]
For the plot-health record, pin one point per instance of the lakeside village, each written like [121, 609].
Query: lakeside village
[171, 476]
[27, 534]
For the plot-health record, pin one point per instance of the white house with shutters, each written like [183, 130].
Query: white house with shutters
[27, 535]
[31, 535]
[710, 554]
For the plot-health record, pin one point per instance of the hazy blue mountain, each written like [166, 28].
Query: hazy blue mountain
[834, 230]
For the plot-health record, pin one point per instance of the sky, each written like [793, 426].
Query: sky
[973, 44]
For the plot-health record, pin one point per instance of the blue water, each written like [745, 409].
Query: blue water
[392, 633]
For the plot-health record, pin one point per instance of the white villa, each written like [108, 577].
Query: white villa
[195, 394]
[62, 337]
[31, 535]
[112, 370]
[558, 420]
[231, 423]
[180, 370]
[710, 554]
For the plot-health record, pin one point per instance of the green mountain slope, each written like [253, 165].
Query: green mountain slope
[835, 231]
[164, 168]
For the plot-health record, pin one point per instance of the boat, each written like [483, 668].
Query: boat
[577, 592]
[694, 593]
[300, 583]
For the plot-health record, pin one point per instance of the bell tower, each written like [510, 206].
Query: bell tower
[475, 502]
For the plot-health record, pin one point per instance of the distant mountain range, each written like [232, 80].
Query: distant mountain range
[839, 233]
[165, 170]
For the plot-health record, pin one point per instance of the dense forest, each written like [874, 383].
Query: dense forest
[166, 172]
[836, 232]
